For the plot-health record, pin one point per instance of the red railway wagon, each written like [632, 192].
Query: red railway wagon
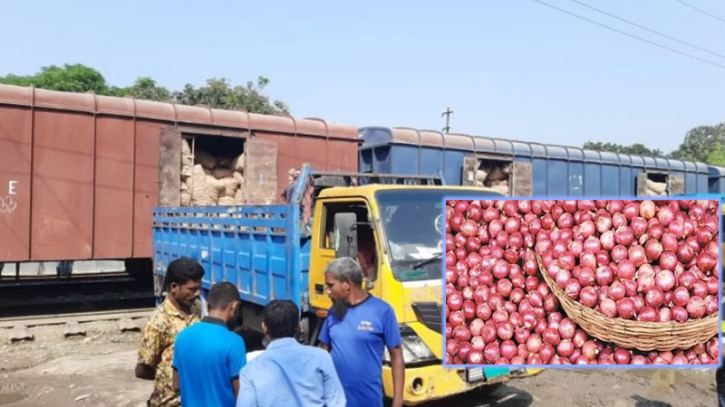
[80, 173]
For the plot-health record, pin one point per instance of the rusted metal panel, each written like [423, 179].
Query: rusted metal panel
[470, 165]
[169, 167]
[15, 167]
[113, 233]
[261, 172]
[62, 202]
[145, 186]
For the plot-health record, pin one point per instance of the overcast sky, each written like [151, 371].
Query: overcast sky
[511, 69]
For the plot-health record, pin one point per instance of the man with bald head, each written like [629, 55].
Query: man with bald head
[356, 332]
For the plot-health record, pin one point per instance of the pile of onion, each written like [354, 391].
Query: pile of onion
[641, 260]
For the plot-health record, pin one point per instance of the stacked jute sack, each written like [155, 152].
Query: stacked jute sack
[656, 188]
[210, 181]
[494, 176]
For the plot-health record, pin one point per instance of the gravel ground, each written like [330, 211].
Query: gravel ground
[97, 370]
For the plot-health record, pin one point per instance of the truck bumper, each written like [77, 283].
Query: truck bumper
[423, 384]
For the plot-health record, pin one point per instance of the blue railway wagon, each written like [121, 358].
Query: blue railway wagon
[536, 169]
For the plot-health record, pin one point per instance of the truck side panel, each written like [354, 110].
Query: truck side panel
[253, 247]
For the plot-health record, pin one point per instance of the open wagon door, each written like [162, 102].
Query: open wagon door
[261, 172]
[169, 167]
[676, 185]
[642, 184]
[470, 165]
[523, 179]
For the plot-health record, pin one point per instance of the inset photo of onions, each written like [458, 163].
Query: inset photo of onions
[582, 282]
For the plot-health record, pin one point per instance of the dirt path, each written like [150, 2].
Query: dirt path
[97, 370]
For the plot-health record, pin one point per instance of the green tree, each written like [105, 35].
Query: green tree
[144, 88]
[699, 142]
[216, 93]
[68, 78]
[636, 148]
[716, 156]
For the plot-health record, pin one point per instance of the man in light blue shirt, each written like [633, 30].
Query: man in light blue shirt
[288, 373]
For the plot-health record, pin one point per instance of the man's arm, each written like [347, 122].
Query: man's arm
[144, 371]
[334, 395]
[396, 360]
[150, 352]
[177, 388]
[324, 346]
[246, 395]
[235, 384]
[393, 342]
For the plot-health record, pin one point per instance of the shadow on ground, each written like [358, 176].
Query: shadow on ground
[500, 396]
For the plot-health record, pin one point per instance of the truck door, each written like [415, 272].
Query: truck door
[345, 229]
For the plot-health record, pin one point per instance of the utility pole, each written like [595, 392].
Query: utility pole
[447, 114]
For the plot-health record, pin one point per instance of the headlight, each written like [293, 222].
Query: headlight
[414, 349]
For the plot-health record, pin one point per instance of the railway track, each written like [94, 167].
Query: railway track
[80, 317]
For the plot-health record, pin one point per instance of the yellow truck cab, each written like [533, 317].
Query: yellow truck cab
[397, 234]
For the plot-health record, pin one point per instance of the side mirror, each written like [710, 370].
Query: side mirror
[346, 228]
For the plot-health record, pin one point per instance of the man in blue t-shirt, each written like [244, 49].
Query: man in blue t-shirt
[356, 332]
[208, 356]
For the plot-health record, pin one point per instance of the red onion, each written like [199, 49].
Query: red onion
[616, 291]
[451, 346]
[572, 289]
[630, 287]
[639, 227]
[619, 253]
[469, 310]
[505, 331]
[637, 255]
[638, 302]
[619, 220]
[625, 308]
[589, 350]
[551, 303]
[455, 302]
[565, 348]
[562, 278]
[696, 307]
[500, 316]
[544, 289]
[679, 314]
[609, 307]
[665, 314]
[492, 352]
[546, 353]
[461, 334]
[477, 343]
[654, 297]
[648, 314]
[488, 333]
[622, 356]
[551, 336]
[604, 275]
[639, 360]
[586, 277]
[626, 270]
[603, 223]
[521, 335]
[476, 327]
[705, 262]
[700, 289]
[665, 280]
[713, 286]
[588, 297]
[687, 279]
[533, 344]
[567, 328]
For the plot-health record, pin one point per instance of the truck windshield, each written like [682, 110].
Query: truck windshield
[414, 225]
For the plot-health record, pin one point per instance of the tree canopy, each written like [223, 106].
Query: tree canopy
[703, 144]
[215, 93]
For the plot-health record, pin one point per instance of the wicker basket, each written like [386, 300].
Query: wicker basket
[629, 334]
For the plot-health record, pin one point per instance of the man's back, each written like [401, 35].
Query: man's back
[290, 374]
[207, 357]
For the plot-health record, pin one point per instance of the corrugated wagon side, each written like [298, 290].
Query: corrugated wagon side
[526, 168]
[80, 174]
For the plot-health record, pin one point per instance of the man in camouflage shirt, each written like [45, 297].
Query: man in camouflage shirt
[180, 309]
